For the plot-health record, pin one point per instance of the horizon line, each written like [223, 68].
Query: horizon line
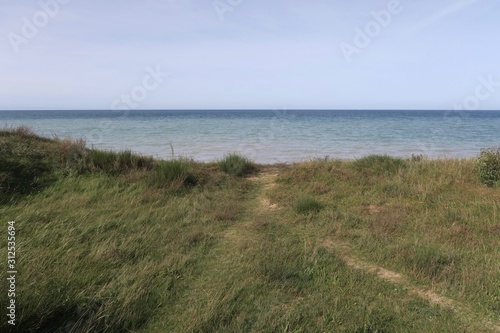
[244, 109]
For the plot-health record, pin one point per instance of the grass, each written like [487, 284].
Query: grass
[237, 165]
[306, 204]
[116, 242]
[430, 219]
[176, 172]
[379, 164]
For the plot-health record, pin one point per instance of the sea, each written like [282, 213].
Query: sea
[271, 136]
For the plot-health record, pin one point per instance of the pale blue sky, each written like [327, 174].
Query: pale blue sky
[281, 54]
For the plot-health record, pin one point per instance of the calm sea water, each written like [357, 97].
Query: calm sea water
[274, 135]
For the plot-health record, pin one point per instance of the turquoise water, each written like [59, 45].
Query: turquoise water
[273, 135]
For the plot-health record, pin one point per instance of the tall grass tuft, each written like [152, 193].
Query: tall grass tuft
[72, 154]
[237, 165]
[172, 172]
[24, 132]
[116, 163]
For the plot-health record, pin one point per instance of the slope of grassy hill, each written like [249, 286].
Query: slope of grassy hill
[116, 242]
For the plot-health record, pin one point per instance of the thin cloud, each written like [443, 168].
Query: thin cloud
[459, 5]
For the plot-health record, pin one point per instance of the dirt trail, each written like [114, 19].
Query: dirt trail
[240, 233]
[267, 179]
[345, 252]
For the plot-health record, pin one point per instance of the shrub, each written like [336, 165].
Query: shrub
[489, 166]
[307, 204]
[237, 165]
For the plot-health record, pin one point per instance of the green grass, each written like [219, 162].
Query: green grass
[27, 163]
[170, 172]
[237, 165]
[115, 242]
[379, 164]
[430, 219]
[307, 204]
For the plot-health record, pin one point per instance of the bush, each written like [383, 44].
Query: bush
[380, 164]
[308, 204]
[237, 165]
[489, 166]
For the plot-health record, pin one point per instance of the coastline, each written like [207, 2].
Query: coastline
[272, 136]
[146, 244]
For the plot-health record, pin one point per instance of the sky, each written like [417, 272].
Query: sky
[250, 54]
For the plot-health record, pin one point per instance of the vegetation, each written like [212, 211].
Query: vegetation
[307, 204]
[30, 163]
[25, 164]
[379, 164]
[170, 172]
[237, 165]
[489, 166]
[114, 242]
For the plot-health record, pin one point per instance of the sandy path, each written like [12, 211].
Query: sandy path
[345, 252]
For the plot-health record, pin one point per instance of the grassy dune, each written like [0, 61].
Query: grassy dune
[115, 242]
